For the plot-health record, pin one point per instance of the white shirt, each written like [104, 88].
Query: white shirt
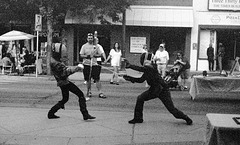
[115, 57]
[88, 49]
[64, 53]
[162, 55]
[101, 49]
[144, 51]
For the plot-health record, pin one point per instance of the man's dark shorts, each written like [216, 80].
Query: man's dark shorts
[95, 74]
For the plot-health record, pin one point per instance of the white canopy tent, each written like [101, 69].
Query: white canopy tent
[17, 35]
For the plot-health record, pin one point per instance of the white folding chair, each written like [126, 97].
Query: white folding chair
[6, 69]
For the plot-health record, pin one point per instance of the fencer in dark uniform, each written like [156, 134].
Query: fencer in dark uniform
[158, 89]
[61, 73]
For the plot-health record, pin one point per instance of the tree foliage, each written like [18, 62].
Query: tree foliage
[99, 8]
[54, 12]
[18, 11]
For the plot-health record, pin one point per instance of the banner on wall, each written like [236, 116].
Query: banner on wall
[136, 44]
[228, 5]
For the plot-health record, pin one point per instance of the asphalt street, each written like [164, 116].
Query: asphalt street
[43, 92]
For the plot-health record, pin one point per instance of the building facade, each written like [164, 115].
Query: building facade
[215, 21]
[185, 25]
[149, 22]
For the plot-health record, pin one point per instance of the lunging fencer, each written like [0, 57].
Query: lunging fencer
[158, 89]
[61, 73]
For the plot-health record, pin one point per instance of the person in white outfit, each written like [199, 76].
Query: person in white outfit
[115, 55]
[161, 57]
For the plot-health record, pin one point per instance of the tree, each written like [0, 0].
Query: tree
[54, 12]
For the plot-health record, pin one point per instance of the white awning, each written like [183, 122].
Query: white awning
[147, 16]
[160, 16]
[80, 19]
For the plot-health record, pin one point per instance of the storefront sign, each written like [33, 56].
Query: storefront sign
[136, 44]
[228, 5]
[38, 22]
[45, 33]
[219, 18]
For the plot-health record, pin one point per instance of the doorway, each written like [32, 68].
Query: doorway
[230, 38]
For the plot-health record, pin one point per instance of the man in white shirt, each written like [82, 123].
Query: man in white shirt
[89, 52]
[161, 57]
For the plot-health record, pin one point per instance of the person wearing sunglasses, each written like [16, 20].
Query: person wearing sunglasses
[183, 69]
[90, 52]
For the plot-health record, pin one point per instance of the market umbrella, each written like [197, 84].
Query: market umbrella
[15, 35]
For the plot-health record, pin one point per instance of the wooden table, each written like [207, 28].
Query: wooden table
[222, 129]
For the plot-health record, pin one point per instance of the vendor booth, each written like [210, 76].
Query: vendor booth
[215, 86]
[13, 37]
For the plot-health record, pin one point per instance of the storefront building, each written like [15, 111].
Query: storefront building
[149, 22]
[215, 21]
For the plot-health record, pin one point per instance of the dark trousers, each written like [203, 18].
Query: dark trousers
[165, 96]
[210, 64]
[220, 63]
[71, 87]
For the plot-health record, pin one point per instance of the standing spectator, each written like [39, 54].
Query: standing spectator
[61, 47]
[89, 52]
[115, 55]
[210, 55]
[184, 66]
[61, 73]
[146, 50]
[161, 57]
[221, 53]
[99, 59]
[13, 58]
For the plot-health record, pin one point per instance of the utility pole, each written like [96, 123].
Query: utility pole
[123, 39]
[124, 33]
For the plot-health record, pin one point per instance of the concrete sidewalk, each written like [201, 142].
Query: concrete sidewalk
[30, 126]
